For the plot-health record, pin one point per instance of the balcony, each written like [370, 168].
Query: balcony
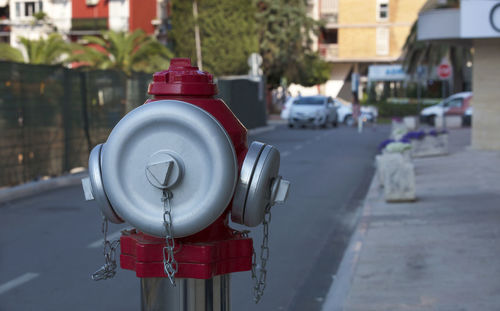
[89, 24]
[331, 19]
[329, 52]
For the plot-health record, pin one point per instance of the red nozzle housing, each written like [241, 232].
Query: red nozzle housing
[181, 78]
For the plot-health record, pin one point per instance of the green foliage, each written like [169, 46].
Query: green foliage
[227, 34]
[313, 70]
[123, 51]
[9, 53]
[40, 16]
[389, 110]
[50, 51]
[230, 30]
[285, 35]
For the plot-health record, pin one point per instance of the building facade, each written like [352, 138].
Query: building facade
[474, 23]
[359, 33]
[34, 19]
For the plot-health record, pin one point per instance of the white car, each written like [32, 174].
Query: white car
[313, 110]
[455, 104]
[285, 112]
[344, 112]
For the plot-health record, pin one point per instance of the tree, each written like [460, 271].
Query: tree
[123, 51]
[285, 35]
[9, 53]
[227, 31]
[231, 30]
[50, 51]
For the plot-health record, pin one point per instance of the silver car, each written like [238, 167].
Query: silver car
[317, 110]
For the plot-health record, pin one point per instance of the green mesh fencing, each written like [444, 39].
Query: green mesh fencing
[50, 116]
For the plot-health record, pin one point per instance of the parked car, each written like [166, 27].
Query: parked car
[467, 117]
[344, 112]
[285, 111]
[316, 110]
[456, 104]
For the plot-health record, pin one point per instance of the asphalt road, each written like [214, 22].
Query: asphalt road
[50, 244]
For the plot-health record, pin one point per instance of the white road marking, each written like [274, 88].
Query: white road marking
[298, 147]
[17, 282]
[285, 154]
[112, 236]
[260, 130]
[318, 138]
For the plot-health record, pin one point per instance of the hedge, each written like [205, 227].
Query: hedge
[389, 110]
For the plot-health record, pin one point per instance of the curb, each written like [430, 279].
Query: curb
[339, 290]
[36, 187]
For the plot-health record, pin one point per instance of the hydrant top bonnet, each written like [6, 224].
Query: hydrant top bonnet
[182, 79]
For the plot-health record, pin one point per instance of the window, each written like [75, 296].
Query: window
[310, 101]
[455, 103]
[330, 36]
[29, 8]
[18, 9]
[382, 41]
[382, 10]
[329, 6]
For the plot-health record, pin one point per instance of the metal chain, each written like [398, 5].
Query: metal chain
[260, 281]
[170, 265]
[108, 270]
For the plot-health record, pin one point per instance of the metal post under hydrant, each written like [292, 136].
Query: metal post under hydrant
[176, 169]
[158, 294]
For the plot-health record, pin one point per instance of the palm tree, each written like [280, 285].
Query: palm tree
[123, 51]
[126, 52]
[50, 51]
[431, 53]
[9, 53]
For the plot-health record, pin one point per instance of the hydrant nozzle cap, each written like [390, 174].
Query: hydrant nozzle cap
[181, 78]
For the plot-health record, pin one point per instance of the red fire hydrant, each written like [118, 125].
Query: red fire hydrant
[176, 168]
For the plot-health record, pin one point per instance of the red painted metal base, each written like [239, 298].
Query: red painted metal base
[144, 254]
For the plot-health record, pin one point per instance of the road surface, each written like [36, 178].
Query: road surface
[50, 243]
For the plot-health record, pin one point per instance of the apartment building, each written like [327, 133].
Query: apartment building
[360, 33]
[75, 18]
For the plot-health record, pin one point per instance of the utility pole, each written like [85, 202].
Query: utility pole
[197, 35]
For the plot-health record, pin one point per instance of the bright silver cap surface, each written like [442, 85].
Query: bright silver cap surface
[259, 186]
[96, 187]
[174, 145]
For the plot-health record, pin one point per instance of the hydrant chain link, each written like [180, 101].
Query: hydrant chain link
[170, 265]
[108, 270]
[260, 281]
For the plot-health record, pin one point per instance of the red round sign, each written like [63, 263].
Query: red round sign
[444, 71]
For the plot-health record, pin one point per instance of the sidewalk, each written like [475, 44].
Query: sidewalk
[441, 252]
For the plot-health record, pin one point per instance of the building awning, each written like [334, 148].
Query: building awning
[472, 20]
[386, 73]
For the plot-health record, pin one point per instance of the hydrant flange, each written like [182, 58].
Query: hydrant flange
[96, 187]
